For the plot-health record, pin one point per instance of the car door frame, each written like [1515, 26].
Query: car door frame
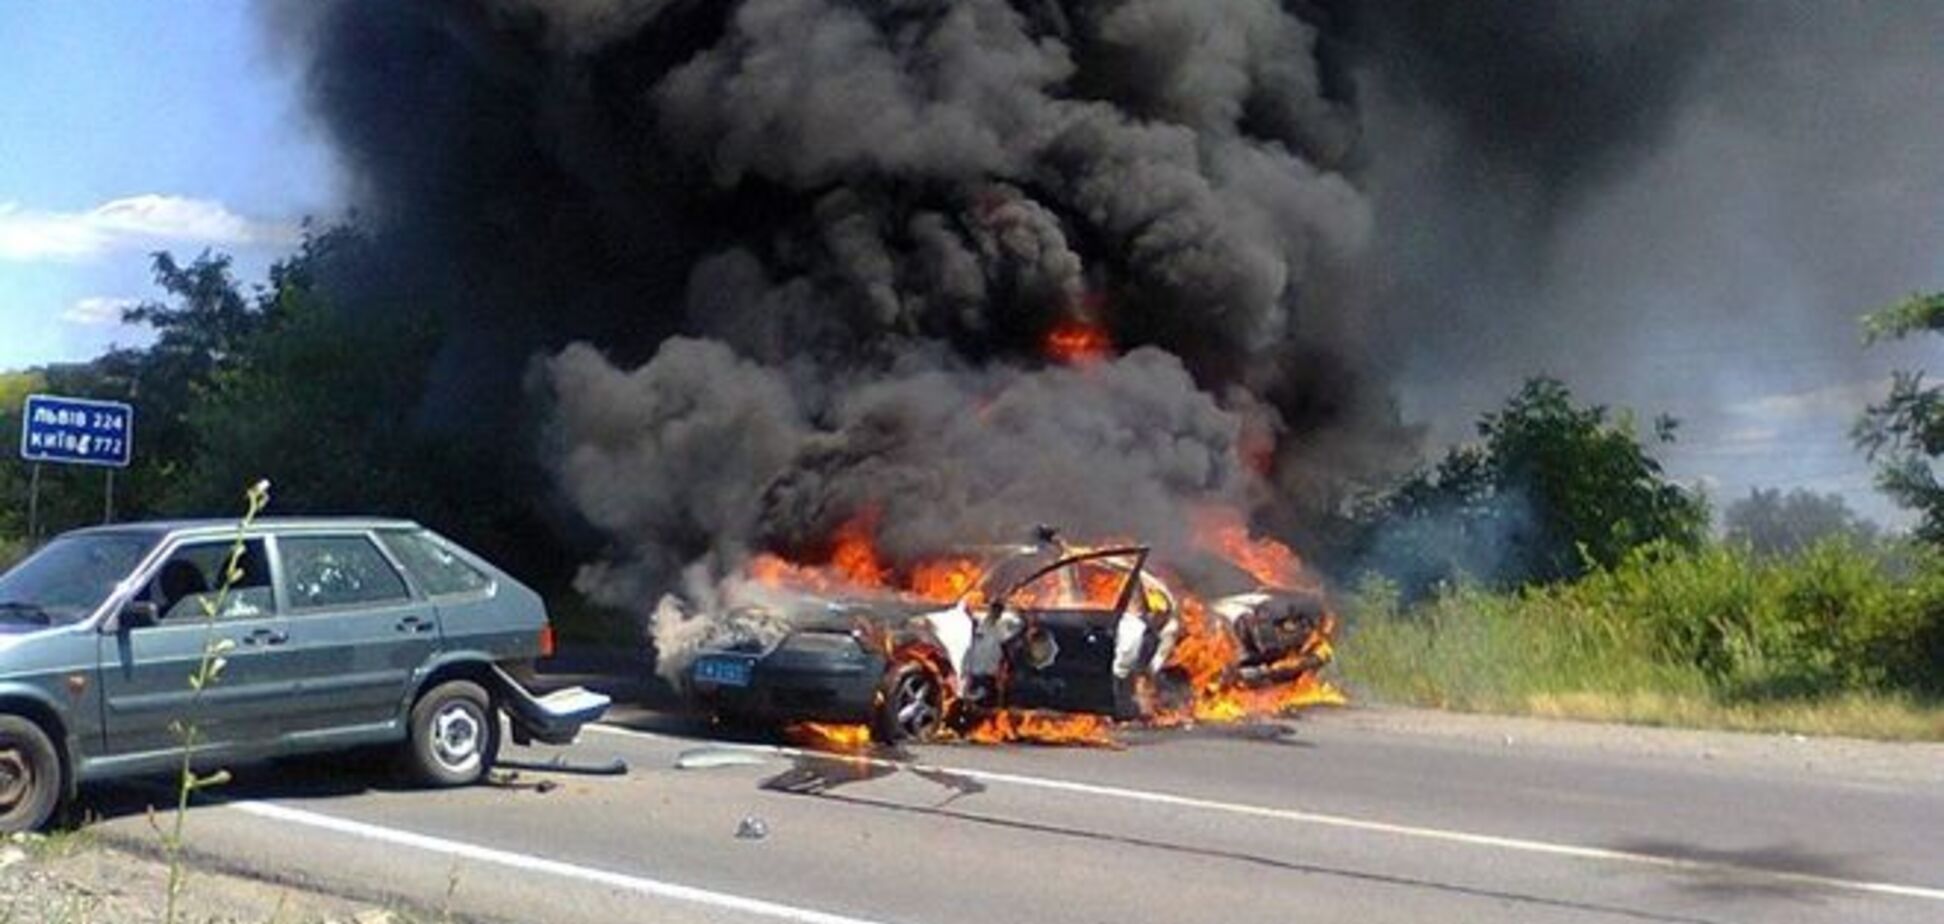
[1080, 678]
[358, 702]
[238, 717]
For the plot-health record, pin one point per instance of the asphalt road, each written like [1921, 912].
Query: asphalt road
[1345, 816]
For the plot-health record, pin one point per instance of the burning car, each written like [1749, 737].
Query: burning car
[1031, 630]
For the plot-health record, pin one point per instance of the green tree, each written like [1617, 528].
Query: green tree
[1550, 489]
[324, 403]
[1904, 433]
[203, 323]
[1770, 522]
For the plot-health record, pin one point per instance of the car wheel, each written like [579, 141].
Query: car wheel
[30, 776]
[912, 704]
[454, 736]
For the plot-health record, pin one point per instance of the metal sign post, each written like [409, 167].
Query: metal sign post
[33, 505]
[75, 431]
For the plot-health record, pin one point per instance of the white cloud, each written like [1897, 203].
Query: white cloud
[134, 221]
[98, 310]
[1844, 400]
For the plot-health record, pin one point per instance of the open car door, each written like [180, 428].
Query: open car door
[1064, 657]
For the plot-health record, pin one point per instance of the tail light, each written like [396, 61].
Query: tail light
[546, 640]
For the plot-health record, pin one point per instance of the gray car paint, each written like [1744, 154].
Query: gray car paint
[111, 688]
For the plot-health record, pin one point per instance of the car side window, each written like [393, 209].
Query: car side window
[1050, 591]
[435, 567]
[1100, 581]
[1088, 584]
[192, 579]
[320, 572]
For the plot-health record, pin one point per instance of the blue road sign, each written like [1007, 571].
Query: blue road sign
[77, 431]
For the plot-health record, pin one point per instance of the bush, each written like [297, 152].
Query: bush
[1720, 623]
[1833, 618]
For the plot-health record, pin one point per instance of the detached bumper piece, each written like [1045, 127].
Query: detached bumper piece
[555, 718]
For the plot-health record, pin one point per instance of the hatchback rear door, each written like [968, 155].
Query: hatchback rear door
[357, 634]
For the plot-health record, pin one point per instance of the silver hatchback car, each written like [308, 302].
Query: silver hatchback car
[338, 633]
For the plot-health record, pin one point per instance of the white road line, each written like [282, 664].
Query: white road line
[533, 864]
[1339, 821]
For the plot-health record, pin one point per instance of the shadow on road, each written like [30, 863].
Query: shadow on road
[1742, 873]
[318, 777]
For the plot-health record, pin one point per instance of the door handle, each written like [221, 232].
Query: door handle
[414, 624]
[266, 637]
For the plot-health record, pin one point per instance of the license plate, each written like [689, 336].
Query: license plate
[727, 672]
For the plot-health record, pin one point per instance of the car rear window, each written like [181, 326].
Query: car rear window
[435, 567]
[332, 571]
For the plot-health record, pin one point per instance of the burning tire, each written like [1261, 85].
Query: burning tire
[30, 776]
[911, 704]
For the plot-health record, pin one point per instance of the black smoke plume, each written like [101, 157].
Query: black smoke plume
[750, 267]
[790, 260]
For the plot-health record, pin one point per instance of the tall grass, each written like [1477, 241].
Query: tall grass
[1840, 639]
[209, 669]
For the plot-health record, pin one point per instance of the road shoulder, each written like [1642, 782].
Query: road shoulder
[79, 877]
[1850, 759]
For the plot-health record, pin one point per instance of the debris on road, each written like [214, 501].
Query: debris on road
[752, 828]
[714, 757]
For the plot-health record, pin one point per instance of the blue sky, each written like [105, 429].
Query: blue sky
[130, 127]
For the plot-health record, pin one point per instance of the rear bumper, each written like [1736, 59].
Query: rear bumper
[1262, 675]
[555, 718]
[796, 689]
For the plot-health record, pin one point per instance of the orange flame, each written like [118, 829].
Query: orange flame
[1076, 342]
[855, 553]
[1223, 531]
[1206, 650]
[775, 571]
[944, 580]
[1036, 727]
[820, 736]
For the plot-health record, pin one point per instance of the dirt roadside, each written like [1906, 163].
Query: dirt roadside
[73, 878]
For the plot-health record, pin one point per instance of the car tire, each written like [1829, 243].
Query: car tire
[455, 735]
[30, 776]
[910, 704]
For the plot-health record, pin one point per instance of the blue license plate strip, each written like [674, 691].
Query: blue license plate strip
[728, 672]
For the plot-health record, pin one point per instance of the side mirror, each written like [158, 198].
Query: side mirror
[139, 614]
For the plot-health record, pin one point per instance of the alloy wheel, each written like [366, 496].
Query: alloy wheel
[458, 732]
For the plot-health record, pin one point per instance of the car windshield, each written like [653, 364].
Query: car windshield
[69, 577]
